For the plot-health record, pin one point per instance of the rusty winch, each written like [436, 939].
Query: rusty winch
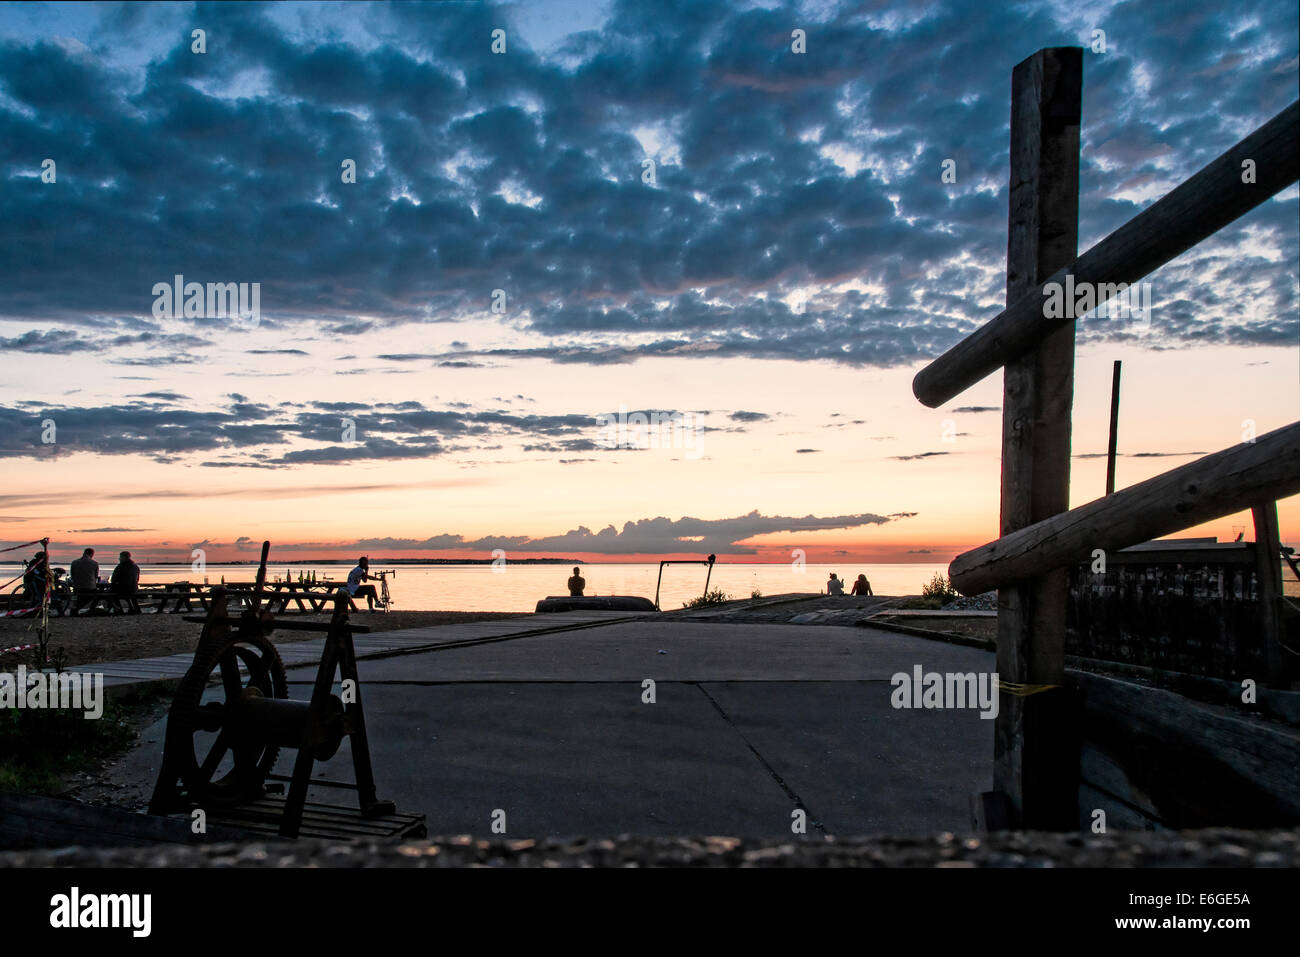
[232, 715]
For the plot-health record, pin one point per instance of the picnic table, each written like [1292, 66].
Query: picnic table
[310, 597]
[186, 596]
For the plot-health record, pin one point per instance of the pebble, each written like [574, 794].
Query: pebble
[1218, 847]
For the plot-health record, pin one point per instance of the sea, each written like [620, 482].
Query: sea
[518, 587]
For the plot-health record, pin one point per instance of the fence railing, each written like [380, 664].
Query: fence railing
[1035, 775]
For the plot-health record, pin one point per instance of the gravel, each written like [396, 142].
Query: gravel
[1208, 848]
[988, 601]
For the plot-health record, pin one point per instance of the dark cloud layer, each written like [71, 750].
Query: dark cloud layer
[247, 434]
[522, 173]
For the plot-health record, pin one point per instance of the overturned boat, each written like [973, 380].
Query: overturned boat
[555, 603]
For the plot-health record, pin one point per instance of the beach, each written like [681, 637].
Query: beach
[92, 638]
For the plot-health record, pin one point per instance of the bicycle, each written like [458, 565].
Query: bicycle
[385, 600]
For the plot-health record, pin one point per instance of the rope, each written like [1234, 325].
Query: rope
[24, 545]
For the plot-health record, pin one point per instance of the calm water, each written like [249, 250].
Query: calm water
[518, 587]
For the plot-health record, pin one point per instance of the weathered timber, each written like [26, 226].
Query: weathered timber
[1268, 575]
[1229, 481]
[1198, 208]
[1185, 764]
[1031, 757]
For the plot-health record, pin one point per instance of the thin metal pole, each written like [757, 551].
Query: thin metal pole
[1114, 429]
[44, 630]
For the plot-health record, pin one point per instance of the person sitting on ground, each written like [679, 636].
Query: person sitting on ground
[357, 590]
[35, 578]
[576, 584]
[861, 586]
[85, 578]
[124, 583]
[834, 586]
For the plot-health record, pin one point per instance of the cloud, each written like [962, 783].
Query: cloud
[777, 174]
[1139, 455]
[50, 342]
[919, 455]
[92, 531]
[247, 434]
[647, 536]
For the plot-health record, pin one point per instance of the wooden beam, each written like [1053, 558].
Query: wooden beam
[1211, 487]
[1030, 763]
[1268, 578]
[1198, 208]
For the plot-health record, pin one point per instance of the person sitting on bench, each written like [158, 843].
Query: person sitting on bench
[124, 583]
[85, 579]
[576, 584]
[356, 577]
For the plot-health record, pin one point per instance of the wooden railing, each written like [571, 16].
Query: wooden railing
[1195, 210]
[1036, 733]
[1230, 481]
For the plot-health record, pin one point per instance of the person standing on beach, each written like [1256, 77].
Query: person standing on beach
[357, 590]
[834, 586]
[124, 583]
[85, 578]
[861, 586]
[576, 584]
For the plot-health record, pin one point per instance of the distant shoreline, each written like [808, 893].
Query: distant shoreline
[375, 562]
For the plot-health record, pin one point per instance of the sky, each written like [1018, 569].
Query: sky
[625, 208]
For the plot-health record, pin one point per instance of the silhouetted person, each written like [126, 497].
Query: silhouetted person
[85, 578]
[576, 584]
[124, 583]
[35, 578]
[834, 586]
[357, 590]
[861, 586]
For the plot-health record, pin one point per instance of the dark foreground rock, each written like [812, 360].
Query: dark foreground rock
[1208, 848]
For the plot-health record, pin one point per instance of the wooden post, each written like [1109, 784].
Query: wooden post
[1114, 429]
[1032, 764]
[1268, 575]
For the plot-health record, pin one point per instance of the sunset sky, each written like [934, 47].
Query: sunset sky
[796, 260]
